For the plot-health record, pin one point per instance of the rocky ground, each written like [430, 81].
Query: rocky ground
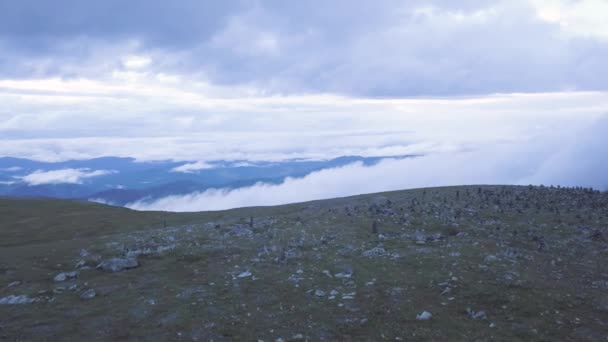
[490, 263]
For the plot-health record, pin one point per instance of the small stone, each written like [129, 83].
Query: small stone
[424, 316]
[65, 276]
[60, 277]
[349, 295]
[376, 251]
[490, 258]
[88, 294]
[16, 300]
[118, 264]
[14, 283]
[480, 315]
[343, 275]
[245, 274]
[319, 293]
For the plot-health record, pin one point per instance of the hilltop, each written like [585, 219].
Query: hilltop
[456, 263]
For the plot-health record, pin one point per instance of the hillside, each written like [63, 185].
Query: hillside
[475, 263]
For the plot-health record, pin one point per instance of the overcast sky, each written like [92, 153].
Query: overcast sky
[267, 80]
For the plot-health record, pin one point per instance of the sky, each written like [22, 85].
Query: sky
[271, 80]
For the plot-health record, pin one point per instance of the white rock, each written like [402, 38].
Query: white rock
[343, 275]
[424, 316]
[15, 300]
[244, 274]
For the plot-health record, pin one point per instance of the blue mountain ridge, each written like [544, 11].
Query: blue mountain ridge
[130, 180]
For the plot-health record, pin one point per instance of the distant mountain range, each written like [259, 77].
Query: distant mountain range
[119, 181]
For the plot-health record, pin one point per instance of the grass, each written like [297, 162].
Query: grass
[192, 291]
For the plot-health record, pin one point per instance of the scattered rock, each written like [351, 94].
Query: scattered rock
[169, 319]
[65, 276]
[15, 300]
[479, 315]
[60, 277]
[245, 274]
[424, 316]
[88, 294]
[241, 231]
[118, 264]
[319, 293]
[297, 337]
[349, 295]
[88, 259]
[333, 294]
[345, 273]
[374, 252]
[490, 258]
[14, 283]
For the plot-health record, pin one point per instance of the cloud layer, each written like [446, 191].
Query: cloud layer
[568, 161]
[192, 167]
[280, 128]
[63, 176]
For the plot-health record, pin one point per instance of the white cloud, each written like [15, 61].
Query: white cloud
[192, 167]
[558, 160]
[150, 119]
[136, 62]
[69, 176]
[11, 169]
[580, 17]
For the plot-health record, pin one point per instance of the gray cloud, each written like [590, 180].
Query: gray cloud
[380, 48]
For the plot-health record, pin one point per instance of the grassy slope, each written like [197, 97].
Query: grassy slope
[529, 291]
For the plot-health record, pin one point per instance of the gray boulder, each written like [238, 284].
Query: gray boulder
[88, 294]
[118, 264]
